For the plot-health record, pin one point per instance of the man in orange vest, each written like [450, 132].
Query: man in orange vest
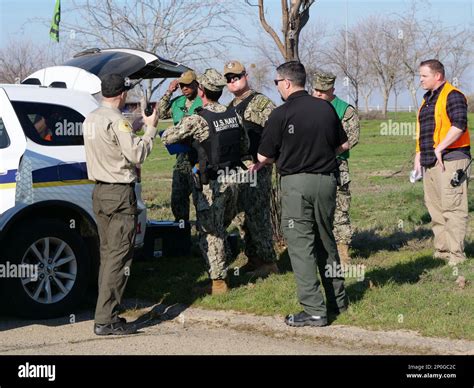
[443, 154]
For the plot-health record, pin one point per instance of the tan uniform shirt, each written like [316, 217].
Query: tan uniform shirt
[112, 149]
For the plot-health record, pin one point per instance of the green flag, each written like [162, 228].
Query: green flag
[54, 31]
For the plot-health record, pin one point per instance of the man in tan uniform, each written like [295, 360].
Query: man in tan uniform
[112, 153]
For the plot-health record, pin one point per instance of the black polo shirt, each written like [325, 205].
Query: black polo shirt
[302, 135]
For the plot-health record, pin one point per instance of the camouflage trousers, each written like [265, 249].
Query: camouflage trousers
[215, 209]
[181, 188]
[342, 223]
[254, 219]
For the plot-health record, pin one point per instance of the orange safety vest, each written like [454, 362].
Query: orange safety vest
[442, 122]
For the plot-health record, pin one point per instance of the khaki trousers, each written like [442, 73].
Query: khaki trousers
[448, 207]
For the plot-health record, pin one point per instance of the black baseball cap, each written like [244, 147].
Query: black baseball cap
[114, 84]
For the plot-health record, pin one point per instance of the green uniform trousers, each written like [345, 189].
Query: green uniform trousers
[308, 204]
[115, 208]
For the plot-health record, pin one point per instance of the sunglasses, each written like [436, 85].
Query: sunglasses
[277, 81]
[233, 77]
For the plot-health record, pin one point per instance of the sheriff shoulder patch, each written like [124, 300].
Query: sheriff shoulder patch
[124, 126]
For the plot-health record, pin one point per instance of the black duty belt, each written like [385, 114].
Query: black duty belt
[131, 184]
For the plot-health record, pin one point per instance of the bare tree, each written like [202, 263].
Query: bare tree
[259, 72]
[366, 89]
[294, 16]
[268, 52]
[415, 47]
[345, 54]
[382, 53]
[421, 39]
[188, 31]
[20, 58]
[312, 48]
[458, 58]
[425, 38]
[398, 87]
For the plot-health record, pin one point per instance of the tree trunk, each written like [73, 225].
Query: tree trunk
[366, 100]
[385, 103]
[356, 97]
[294, 18]
[412, 90]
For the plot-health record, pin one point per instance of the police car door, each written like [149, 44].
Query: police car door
[12, 147]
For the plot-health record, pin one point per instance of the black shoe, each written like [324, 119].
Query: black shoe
[118, 328]
[304, 319]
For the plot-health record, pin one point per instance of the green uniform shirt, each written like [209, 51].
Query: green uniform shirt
[341, 107]
[179, 109]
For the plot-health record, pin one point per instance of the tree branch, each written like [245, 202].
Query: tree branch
[269, 29]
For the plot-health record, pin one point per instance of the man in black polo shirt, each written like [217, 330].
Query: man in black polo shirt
[303, 136]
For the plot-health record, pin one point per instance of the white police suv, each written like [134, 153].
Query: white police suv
[46, 220]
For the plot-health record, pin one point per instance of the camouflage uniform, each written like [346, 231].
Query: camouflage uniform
[216, 202]
[342, 222]
[323, 81]
[254, 218]
[181, 186]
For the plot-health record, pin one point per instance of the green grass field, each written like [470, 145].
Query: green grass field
[404, 287]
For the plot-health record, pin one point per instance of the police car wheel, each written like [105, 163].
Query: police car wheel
[54, 273]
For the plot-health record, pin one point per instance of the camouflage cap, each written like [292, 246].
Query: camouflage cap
[323, 80]
[212, 80]
[233, 67]
[187, 77]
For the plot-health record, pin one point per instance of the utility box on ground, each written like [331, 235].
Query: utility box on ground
[167, 238]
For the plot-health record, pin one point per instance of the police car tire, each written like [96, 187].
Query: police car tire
[25, 235]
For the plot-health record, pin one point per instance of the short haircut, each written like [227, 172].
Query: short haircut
[212, 95]
[434, 65]
[293, 71]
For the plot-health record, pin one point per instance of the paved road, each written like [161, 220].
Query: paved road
[163, 339]
[178, 330]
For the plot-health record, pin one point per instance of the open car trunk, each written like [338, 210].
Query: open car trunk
[83, 72]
